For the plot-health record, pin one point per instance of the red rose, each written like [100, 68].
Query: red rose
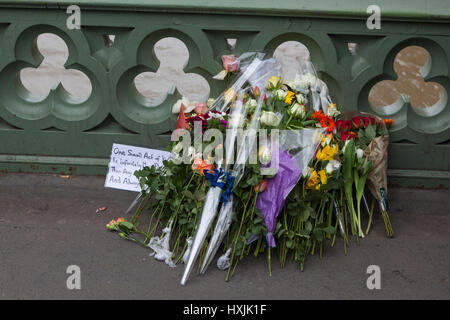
[343, 124]
[357, 121]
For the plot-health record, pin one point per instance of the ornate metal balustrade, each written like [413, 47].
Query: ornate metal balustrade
[60, 133]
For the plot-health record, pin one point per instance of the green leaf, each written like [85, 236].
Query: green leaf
[188, 194]
[371, 132]
[289, 244]
[329, 229]
[318, 235]
[308, 226]
[127, 225]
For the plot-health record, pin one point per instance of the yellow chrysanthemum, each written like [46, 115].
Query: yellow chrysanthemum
[289, 97]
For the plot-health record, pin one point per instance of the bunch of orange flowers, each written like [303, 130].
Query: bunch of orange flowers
[324, 120]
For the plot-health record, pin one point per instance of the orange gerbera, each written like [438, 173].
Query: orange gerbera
[324, 120]
[317, 115]
[328, 123]
[200, 165]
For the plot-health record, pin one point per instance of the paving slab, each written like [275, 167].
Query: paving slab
[48, 223]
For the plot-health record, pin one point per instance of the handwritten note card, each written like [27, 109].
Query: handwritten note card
[125, 160]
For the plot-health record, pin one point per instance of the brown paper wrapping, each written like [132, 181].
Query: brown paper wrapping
[377, 178]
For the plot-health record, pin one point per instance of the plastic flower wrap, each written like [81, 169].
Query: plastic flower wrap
[226, 212]
[219, 180]
[292, 155]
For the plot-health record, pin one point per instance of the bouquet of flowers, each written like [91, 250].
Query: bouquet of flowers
[283, 182]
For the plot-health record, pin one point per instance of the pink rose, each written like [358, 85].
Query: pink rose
[230, 63]
[200, 108]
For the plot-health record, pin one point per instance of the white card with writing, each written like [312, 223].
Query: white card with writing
[125, 160]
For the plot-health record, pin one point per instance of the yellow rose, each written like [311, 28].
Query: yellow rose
[274, 82]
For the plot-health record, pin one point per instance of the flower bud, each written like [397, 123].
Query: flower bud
[280, 94]
[265, 154]
[359, 153]
[332, 166]
[210, 101]
[269, 118]
[300, 98]
[297, 110]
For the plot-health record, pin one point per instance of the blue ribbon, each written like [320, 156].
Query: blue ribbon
[214, 177]
[229, 190]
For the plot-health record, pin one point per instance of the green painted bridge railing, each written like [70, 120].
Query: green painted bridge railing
[63, 134]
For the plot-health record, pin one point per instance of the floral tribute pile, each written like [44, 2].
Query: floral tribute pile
[289, 177]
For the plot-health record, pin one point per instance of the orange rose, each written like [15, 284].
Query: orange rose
[200, 165]
[261, 187]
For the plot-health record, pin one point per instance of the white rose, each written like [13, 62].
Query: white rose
[251, 105]
[332, 111]
[210, 101]
[269, 118]
[280, 94]
[297, 110]
[265, 154]
[359, 153]
[300, 98]
[236, 121]
[332, 166]
[188, 106]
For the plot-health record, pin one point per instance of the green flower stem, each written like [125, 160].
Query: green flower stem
[258, 246]
[290, 118]
[150, 225]
[370, 216]
[141, 206]
[236, 237]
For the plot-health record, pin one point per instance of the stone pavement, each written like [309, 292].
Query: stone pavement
[48, 223]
